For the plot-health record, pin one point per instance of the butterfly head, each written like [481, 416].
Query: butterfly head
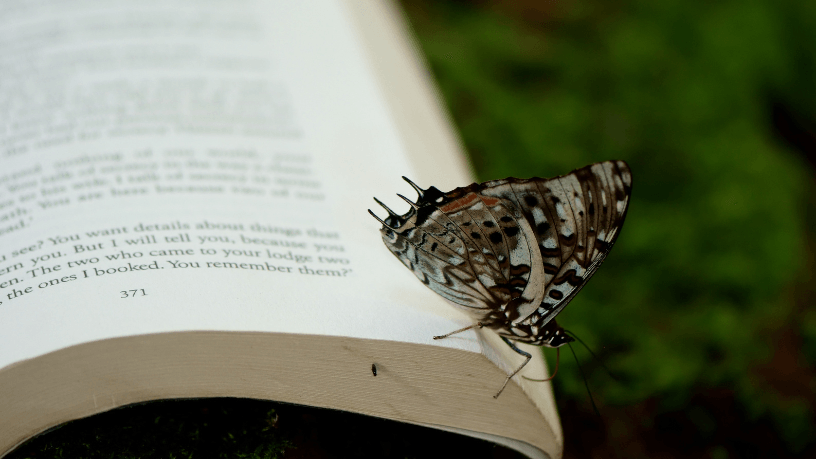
[559, 339]
[554, 336]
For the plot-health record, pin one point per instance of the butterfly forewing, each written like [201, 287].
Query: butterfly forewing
[595, 231]
[573, 231]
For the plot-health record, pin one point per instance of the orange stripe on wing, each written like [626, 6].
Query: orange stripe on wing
[490, 202]
[464, 201]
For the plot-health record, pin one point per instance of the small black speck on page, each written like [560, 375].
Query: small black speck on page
[374, 369]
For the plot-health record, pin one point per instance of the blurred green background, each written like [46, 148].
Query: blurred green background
[704, 309]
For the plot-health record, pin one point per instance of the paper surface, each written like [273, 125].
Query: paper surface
[172, 166]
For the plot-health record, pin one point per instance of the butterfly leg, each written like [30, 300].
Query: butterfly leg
[477, 324]
[510, 376]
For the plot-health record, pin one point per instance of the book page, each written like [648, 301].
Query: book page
[184, 165]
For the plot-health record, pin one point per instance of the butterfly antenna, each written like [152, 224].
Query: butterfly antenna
[608, 371]
[380, 220]
[586, 384]
[390, 212]
[557, 359]
[413, 204]
[419, 190]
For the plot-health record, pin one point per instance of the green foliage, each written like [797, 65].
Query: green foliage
[698, 282]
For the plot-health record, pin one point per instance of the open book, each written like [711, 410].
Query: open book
[183, 196]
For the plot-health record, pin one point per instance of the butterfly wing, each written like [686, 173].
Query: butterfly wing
[576, 218]
[498, 233]
[472, 250]
[437, 256]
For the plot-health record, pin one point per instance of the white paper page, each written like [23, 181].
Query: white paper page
[187, 165]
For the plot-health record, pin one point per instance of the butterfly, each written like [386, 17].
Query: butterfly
[512, 253]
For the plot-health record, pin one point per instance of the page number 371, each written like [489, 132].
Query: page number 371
[132, 293]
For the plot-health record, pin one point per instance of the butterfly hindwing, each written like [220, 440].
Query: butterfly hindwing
[500, 255]
[502, 232]
[437, 257]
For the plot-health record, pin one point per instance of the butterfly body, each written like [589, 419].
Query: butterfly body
[512, 253]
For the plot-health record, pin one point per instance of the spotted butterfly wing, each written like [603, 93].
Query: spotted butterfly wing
[576, 219]
[513, 252]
